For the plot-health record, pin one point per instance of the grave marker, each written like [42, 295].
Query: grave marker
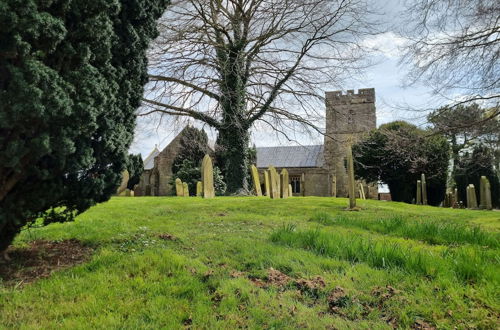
[207, 177]
[284, 183]
[256, 181]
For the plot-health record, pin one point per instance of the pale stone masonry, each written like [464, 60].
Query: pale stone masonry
[317, 170]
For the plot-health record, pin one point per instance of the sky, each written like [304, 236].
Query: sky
[386, 76]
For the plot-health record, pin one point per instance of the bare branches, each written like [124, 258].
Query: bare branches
[455, 47]
[254, 60]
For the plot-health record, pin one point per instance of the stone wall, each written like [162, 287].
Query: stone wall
[348, 117]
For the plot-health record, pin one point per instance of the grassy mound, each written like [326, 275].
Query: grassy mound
[259, 263]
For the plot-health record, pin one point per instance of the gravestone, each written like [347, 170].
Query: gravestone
[471, 197]
[185, 189]
[124, 183]
[456, 203]
[274, 182]
[284, 183]
[256, 181]
[489, 204]
[424, 190]
[303, 184]
[290, 193]
[207, 177]
[350, 181]
[419, 193]
[362, 191]
[179, 188]
[199, 189]
[334, 186]
[267, 184]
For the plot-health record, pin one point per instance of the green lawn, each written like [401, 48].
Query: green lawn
[260, 263]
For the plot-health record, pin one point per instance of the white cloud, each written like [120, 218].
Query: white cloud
[387, 44]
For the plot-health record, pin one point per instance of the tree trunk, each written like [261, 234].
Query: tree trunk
[7, 235]
[233, 142]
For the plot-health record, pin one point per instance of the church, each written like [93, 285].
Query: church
[314, 170]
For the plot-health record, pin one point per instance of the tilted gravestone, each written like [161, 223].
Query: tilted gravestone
[124, 183]
[419, 193]
[199, 189]
[274, 182]
[284, 183]
[424, 190]
[179, 188]
[207, 177]
[256, 181]
[362, 191]
[267, 184]
[185, 189]
[350, 180]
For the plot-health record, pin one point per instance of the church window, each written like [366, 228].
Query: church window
[295, 180]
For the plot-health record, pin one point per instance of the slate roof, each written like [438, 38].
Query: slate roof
[293, 156]
[149, 162]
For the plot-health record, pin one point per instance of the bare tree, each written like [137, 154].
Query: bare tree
[233, 63]
[454, 47]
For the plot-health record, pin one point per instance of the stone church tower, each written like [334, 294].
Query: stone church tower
[348, 117]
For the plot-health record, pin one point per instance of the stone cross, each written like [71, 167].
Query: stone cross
[274, 182]
[179, 188]
[267, 184]
[284, 183]
[199, 189]
[207, 177]
[350, 180]
[185, 189]
[256, 180]
[424, 190]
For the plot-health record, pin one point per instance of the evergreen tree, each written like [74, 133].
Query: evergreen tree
[397, 154]
[71, 76]
[135, 168]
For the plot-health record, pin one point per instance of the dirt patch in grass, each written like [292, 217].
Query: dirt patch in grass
[40, 259]
[167, 237]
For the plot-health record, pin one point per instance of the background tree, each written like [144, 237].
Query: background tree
[397, 154]
[233, 63]
[187, 163]
[135, 167]
[453, 48]
[471, 166]
[71, 76]
[458, 125]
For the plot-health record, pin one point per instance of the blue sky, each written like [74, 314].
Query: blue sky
[386, 76]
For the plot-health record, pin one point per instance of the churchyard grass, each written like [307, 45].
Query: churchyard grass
[390, 264]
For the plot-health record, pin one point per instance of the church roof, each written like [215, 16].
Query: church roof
[149, 162]
[290, 156]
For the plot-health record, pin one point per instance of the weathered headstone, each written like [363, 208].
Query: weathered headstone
[124, 183]
[290, 193]
[482, 192]
[362, 191]
[424, 190]
[455, 198]
[207, 176]
[199, 189]
[274, 182]
[179, 188]
[267, 184]
[284, 183]
[419, 193]
[350, 180]
[256, 181]
[303, 184]
[472, 199]
[489, 204]
[185, 189]
[334, 186]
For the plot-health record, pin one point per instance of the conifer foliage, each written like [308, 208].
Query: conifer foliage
[71, 76]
